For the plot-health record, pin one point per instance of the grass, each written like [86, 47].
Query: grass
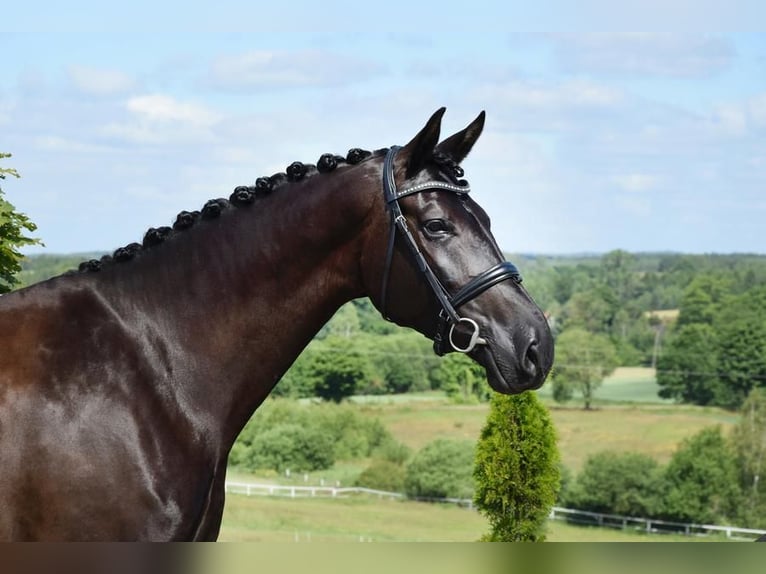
[272, 519]
[653, 427]
[626, 384]
[645, 429]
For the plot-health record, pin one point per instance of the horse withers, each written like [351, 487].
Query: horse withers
[124, 385]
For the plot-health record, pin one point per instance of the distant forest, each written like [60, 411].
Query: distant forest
[699, 319]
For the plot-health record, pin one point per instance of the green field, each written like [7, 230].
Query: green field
[629, 422]
[363, 519]
[626, 384]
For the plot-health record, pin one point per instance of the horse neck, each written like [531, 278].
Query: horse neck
[238, 298]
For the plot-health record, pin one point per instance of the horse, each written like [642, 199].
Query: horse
[124, 383]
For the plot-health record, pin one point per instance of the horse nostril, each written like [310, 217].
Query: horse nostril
[531, 362]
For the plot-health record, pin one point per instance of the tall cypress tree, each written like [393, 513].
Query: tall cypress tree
[517, 468]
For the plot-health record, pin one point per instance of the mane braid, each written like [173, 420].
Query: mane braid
[242, 196]
[449, 167]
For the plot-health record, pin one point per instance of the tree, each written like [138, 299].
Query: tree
[617, 483]
[719, 358]
[617, 272]
[403, 361]
[298, 381]
[592, 310]
[463, 380]
[701, 482]
[583, 360]
[516, 471]
[741, 346]
[748, 439]
[337, 368]
[13, 234]
[441, 469]
[702, 298]
[686, 370]
[345, 323]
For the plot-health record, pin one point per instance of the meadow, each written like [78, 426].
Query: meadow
[368, 519]
[628, 417]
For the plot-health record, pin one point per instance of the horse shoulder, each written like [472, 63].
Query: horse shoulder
[79, 389]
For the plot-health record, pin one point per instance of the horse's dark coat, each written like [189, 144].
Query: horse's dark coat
[123, 389]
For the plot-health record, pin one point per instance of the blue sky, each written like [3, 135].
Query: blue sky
[593, 142]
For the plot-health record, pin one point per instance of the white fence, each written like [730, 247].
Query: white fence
[250, 489]
[650, 524]
[557, 513]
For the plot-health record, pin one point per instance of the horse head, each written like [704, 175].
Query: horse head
[441, 270]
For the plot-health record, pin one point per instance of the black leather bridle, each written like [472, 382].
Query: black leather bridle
[448, 316]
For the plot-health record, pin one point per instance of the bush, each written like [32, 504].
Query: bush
[566, 484]
[442, 469]
[517, 473]
[349, 434]
[701, 481]
[393, 451]
[382, 475]
[354, 435]
[291, 446]
[616, 483]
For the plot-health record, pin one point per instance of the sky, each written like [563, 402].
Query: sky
[649, 141]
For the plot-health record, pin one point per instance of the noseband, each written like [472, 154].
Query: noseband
[448, 316]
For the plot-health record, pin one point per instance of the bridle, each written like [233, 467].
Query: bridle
[448, 316]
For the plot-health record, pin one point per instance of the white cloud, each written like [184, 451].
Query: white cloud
[635, 182]
[635, 206]
[731, 119]
[56, 143]
[100, 82]
[283, 69]
[161, 119]
[741, 118]
[668, 55]
[568, 94]
[162, 108]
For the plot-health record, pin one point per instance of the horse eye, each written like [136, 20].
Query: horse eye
[436, 226]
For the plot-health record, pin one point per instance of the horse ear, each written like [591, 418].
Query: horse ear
[459, 145]
[420, 149]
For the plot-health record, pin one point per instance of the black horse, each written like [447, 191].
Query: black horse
[123, 386]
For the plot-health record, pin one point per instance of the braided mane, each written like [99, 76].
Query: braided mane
[242, 196]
